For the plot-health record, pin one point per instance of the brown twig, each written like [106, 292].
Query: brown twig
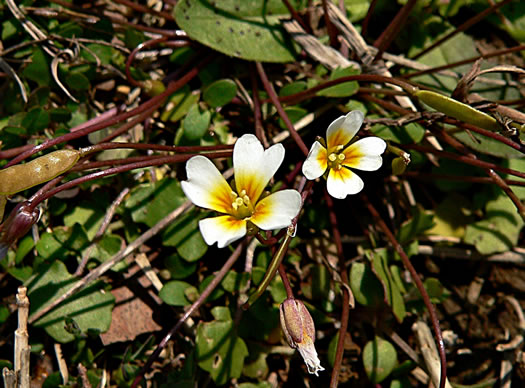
[275, 100]
[121, 255]
[202, 298]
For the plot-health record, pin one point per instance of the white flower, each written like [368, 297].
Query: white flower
[253, 168]
[340, 157]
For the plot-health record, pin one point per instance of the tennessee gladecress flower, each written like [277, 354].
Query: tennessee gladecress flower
[339, 156]
[242, 203]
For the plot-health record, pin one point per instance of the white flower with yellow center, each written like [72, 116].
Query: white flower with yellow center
[253, 168]
[340, 156]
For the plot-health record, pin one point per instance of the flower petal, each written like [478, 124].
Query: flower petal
[310, 358]
[223, 229]
[316, 162]
[277, 210]
[365, 154]
[254, 166]
[343, 182]
[206, 187]
[344, 128]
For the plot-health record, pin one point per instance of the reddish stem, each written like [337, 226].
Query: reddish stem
[346, 293]
[275, 100]
[419, 284]
[154, 102]
[463, 27]
[388, 34]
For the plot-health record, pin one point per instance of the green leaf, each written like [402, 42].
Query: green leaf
[174, 293]
[292, 88]
[90, 308]
[196, 123]
[238, 28]
[342, 90]
[149, 203]
[235, 282]
[519, 165]
[379, 260]
[184, 234]
[407, 134]
[451, 216]
[487, 145]
[179, 269]
[295, 113]
[63, 241]
[38, 69]
[419, 223]
[366, 287]
[499, 230]
[255, 367]
[436, 291]
[379, 359]
[88, 214]
[215, 294]
[220, 92]
[94, 51]
[219, 350]
[77, 81]
[179, 104]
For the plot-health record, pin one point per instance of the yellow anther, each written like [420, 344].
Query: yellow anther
[332, 157]
[339, 147]
[239, 202]
[235, 206]
[341, 157]
[242, 193]
[233, 195]
[246, 200]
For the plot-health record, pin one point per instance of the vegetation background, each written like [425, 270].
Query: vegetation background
[122, 288]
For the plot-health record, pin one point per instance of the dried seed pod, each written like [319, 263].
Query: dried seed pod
[23, 176]
[458, 110]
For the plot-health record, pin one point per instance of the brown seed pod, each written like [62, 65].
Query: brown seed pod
[23, 176]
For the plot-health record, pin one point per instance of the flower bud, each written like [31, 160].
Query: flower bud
[299, 330]
[16, 225]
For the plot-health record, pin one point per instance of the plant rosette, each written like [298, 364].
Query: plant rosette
[243, 205]
[339, 156]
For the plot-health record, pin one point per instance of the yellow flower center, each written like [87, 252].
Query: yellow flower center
[336, 157]
[242, 206]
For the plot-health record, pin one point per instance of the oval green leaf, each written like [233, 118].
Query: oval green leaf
[238, 28]
[379, 359]
[220, 92]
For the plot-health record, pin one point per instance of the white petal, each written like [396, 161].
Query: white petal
[310, 358]
[224, 230]
[343, 182]
[254, 166]
[344, 128]
[315, 164]
[365, 154]
[277, 210]
[206, 187]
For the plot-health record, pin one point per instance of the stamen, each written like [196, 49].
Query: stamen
[246, 200]
[239, 202]
[332, 157]
[235, 206]
[341, 157]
